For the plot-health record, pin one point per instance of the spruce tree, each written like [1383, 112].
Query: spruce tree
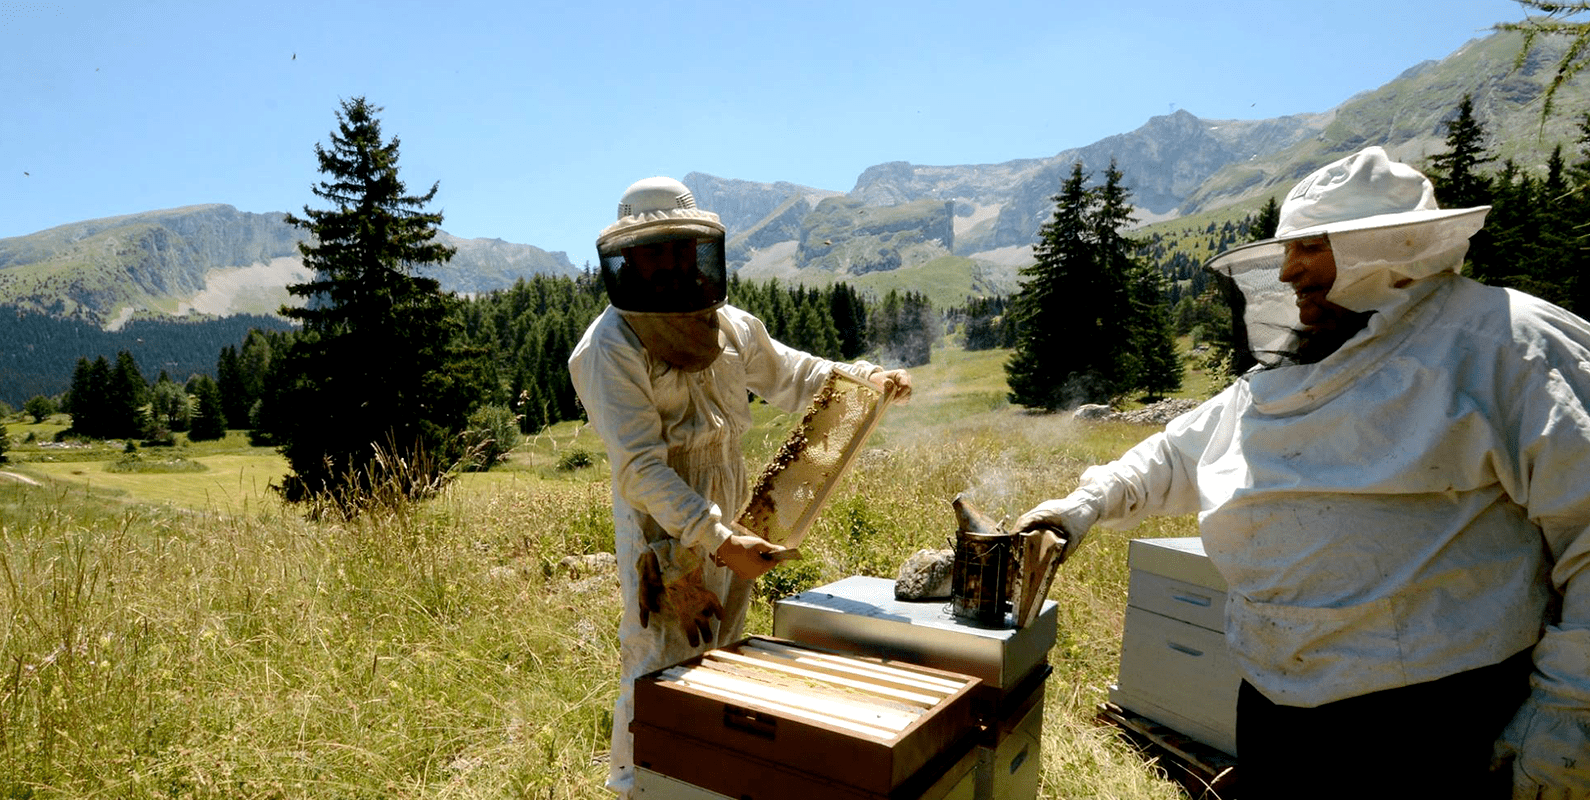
[1459, 183]
[209, 418]
[1050, 369]
[126, 395]
[378, 370]
[229, 381]
[1078, 324]
[1265, 221]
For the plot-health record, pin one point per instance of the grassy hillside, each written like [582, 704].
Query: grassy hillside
[180, 634]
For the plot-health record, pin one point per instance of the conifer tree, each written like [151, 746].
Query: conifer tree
[1082, 323]
[1050, 368]
[126, 395]
[1266, 221]
[379, 365]
[1460, 183]
[209, 418]
[229, 381]
[849, 313]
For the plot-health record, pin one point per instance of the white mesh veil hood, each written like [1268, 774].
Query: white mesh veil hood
[1385, 232]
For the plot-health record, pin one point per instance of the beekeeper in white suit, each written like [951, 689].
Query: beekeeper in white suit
[663, 374]
[1397, 497]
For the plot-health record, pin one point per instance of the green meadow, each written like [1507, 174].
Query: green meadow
[170, 630]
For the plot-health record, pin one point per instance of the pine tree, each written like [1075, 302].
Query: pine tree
[125, 397]
[1459, 183]
[229, 381]
[209, 418]
[1078, 319]
[849, 313]
[1456, 172]
[1049, 368]
[378, 367]
[1118, 311]
[1266, 221]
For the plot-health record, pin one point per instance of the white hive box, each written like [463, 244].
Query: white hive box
[1175, 668]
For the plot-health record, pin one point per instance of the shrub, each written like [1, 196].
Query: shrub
[491, 433]
[575, 459]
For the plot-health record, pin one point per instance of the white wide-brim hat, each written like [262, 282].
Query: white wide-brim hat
[1379, 215]
[1385, 232]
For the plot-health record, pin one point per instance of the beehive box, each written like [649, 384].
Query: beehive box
[796, 483]
[860, 614]
[958, 781]
[827, 724]
[1175, 668]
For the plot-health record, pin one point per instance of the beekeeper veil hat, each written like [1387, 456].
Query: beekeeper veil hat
[663, 255]
[1384, 229]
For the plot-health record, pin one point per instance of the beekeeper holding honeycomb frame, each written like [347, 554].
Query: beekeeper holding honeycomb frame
[663, 374]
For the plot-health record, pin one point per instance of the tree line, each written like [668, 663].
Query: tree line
[389, 383]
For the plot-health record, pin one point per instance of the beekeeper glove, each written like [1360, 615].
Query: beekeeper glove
[1549, 747]
[673, 584]
[1071, 515]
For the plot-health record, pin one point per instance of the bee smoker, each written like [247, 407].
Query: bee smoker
[996, 572]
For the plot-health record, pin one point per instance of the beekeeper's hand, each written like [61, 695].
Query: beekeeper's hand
[1549, 747]
[894, 381]
[1067, 516]
[746, 553]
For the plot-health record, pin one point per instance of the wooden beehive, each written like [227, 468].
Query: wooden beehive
[847, 725]
[796, 483]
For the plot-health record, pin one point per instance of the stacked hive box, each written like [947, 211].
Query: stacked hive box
[1175, 668]
[860, 615]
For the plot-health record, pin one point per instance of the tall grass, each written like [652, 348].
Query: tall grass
[442, 648]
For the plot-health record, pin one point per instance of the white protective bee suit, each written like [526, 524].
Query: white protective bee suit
[673, 441]
[1409, 507]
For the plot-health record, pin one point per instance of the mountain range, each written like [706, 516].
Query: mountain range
[946, 231]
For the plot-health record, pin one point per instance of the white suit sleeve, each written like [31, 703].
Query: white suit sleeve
[1159, 475]
[780, 374]
[613, 384]
[1550, 736]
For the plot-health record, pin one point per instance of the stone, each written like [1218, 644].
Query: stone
[1093, 411]
[925, 576]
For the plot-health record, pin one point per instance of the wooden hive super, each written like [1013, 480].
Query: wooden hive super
[772, 719]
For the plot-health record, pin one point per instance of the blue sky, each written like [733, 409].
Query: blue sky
[535, 116]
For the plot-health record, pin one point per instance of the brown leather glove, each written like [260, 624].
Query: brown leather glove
[687, 599]
[651, 586]
[694, 606]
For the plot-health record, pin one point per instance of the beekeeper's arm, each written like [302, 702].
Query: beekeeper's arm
[789, 378]
[625, 416]
[1549, 738]
[1155, 477]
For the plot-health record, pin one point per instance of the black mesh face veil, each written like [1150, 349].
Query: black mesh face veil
[1264, 314]
[677, 274]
